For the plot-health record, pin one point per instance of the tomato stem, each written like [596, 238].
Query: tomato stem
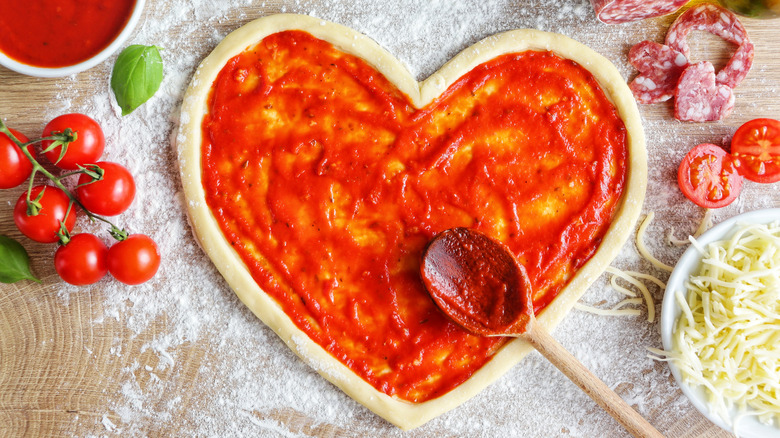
[65, 137]
[65, 175]
[30, 184]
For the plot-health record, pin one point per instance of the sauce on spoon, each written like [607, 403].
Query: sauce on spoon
[477, 282]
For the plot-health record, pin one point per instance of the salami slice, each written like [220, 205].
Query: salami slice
[720, 22]
[659, 68]
[738, 66]
[699, 98]
[624, 11]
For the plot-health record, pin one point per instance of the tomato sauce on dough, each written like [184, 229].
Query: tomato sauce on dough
[328, 183]
[59, 33]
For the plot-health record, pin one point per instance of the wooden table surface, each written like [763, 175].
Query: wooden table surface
[101, 360]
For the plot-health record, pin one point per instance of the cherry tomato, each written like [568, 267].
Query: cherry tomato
[44, 226]
[756, 147]
[86, 149]
[708, 176]
[15, 166]
[109, 196]
[82, 260]
[134, 260]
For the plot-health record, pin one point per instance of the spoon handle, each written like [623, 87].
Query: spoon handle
[589, 383]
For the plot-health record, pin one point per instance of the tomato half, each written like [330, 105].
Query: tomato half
[15, 166]
[86, 149]
[756, 147]
[708, 176]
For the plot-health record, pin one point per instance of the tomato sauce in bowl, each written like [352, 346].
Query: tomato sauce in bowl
[61, 37]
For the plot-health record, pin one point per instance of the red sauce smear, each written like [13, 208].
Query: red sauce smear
[59, 33]
[329, 183]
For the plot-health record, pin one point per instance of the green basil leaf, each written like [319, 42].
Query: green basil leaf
[14, 262]
[137, 75]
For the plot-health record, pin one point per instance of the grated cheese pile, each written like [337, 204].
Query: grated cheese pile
[727, 338]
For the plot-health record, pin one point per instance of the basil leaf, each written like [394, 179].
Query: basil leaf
[137, 75]
[14, 262]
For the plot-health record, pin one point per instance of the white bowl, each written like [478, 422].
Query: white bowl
[749, 426]
[53, 72]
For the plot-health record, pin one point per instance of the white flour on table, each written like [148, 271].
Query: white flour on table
[245, 380]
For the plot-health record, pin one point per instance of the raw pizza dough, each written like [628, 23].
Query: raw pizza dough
[405, 415]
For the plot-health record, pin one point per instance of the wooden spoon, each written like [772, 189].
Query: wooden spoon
[478, 283]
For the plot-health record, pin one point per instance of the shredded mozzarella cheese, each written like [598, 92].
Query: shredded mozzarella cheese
[633, 278]
[727, 338]
[642, 288]
[704, 225]
[640, 244]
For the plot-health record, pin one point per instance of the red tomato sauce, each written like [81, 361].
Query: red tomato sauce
[329, 183]
[59, 33]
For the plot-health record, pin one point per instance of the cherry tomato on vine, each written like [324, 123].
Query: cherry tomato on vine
[756, 147]
[86, 149]
[708, 176]
[134, 260]
[82, 260]
[110, 195]
[44, 226]
[15, 168]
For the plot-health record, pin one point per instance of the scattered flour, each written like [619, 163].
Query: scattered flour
[107, 423]
[208, 367]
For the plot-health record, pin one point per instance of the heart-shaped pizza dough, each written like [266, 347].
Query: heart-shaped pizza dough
[316, 168]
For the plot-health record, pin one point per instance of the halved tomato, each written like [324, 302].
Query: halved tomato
[756, 147]
[708, 176]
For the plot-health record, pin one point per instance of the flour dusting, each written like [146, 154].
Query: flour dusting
[204, 362]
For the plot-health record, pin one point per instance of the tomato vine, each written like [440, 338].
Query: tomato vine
[46, 213]
[33, 206]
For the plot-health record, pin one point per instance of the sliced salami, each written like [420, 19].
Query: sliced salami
[699, 98]
[659, 68]
[720, 22]
[738, 66]
[624, 11]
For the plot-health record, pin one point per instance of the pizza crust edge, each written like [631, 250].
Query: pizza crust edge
[403, 414]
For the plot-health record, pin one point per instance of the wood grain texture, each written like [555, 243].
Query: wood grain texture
[612, 403]
[58, 367]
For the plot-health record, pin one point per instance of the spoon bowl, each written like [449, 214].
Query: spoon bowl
[488, 295]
